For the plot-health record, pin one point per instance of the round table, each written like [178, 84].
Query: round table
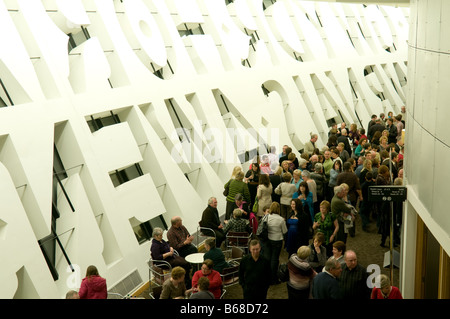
[195, 259]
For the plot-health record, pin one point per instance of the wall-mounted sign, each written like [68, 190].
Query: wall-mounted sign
[389, 193]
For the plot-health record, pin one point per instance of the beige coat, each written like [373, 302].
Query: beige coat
[264, 197]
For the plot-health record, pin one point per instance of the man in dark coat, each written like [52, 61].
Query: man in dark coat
[325, 285]
[392, 138]
[353, 279]
[210, 219]
[343, 138]
[372, 121]
[378, 126]
[253, 271]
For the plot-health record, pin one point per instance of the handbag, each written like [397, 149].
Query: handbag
[283, 272]
[263, 229]
[255, 205]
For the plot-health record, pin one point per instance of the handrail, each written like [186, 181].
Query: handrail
[63, 189]
[65, 171]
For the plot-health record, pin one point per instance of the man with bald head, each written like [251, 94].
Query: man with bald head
[353, 279]
[310, 146]
[179, 238]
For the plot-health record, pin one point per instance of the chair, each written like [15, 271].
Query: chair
[204, 232]
[236, 254]
[238, 239]
[159, 271]
[224, 291]
[230, 277]
[155, 292]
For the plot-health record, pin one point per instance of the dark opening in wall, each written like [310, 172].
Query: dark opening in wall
[144, 231]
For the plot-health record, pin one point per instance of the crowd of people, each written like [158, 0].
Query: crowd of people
[309, 206]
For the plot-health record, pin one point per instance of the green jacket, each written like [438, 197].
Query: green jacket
[338, 207]
[237, 187]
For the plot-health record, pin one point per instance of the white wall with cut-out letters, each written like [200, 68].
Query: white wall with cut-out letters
[187, 87]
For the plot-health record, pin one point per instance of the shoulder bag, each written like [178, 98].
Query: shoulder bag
[283, 272]
[255, 205]
[263, 229]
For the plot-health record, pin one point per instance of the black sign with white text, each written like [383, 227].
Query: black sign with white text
[390, 193]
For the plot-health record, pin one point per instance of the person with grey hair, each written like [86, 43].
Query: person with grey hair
[325, 285]
[302, 164]
[341, 210]
[384, 289]
[161, 250]
[179, 238]
[310, 146]
[72, 294]
[237, 223]
[210, 219]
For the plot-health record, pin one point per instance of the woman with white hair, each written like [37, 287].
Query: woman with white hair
[385, 290]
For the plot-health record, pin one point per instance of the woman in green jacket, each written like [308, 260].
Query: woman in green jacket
[236, 186]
